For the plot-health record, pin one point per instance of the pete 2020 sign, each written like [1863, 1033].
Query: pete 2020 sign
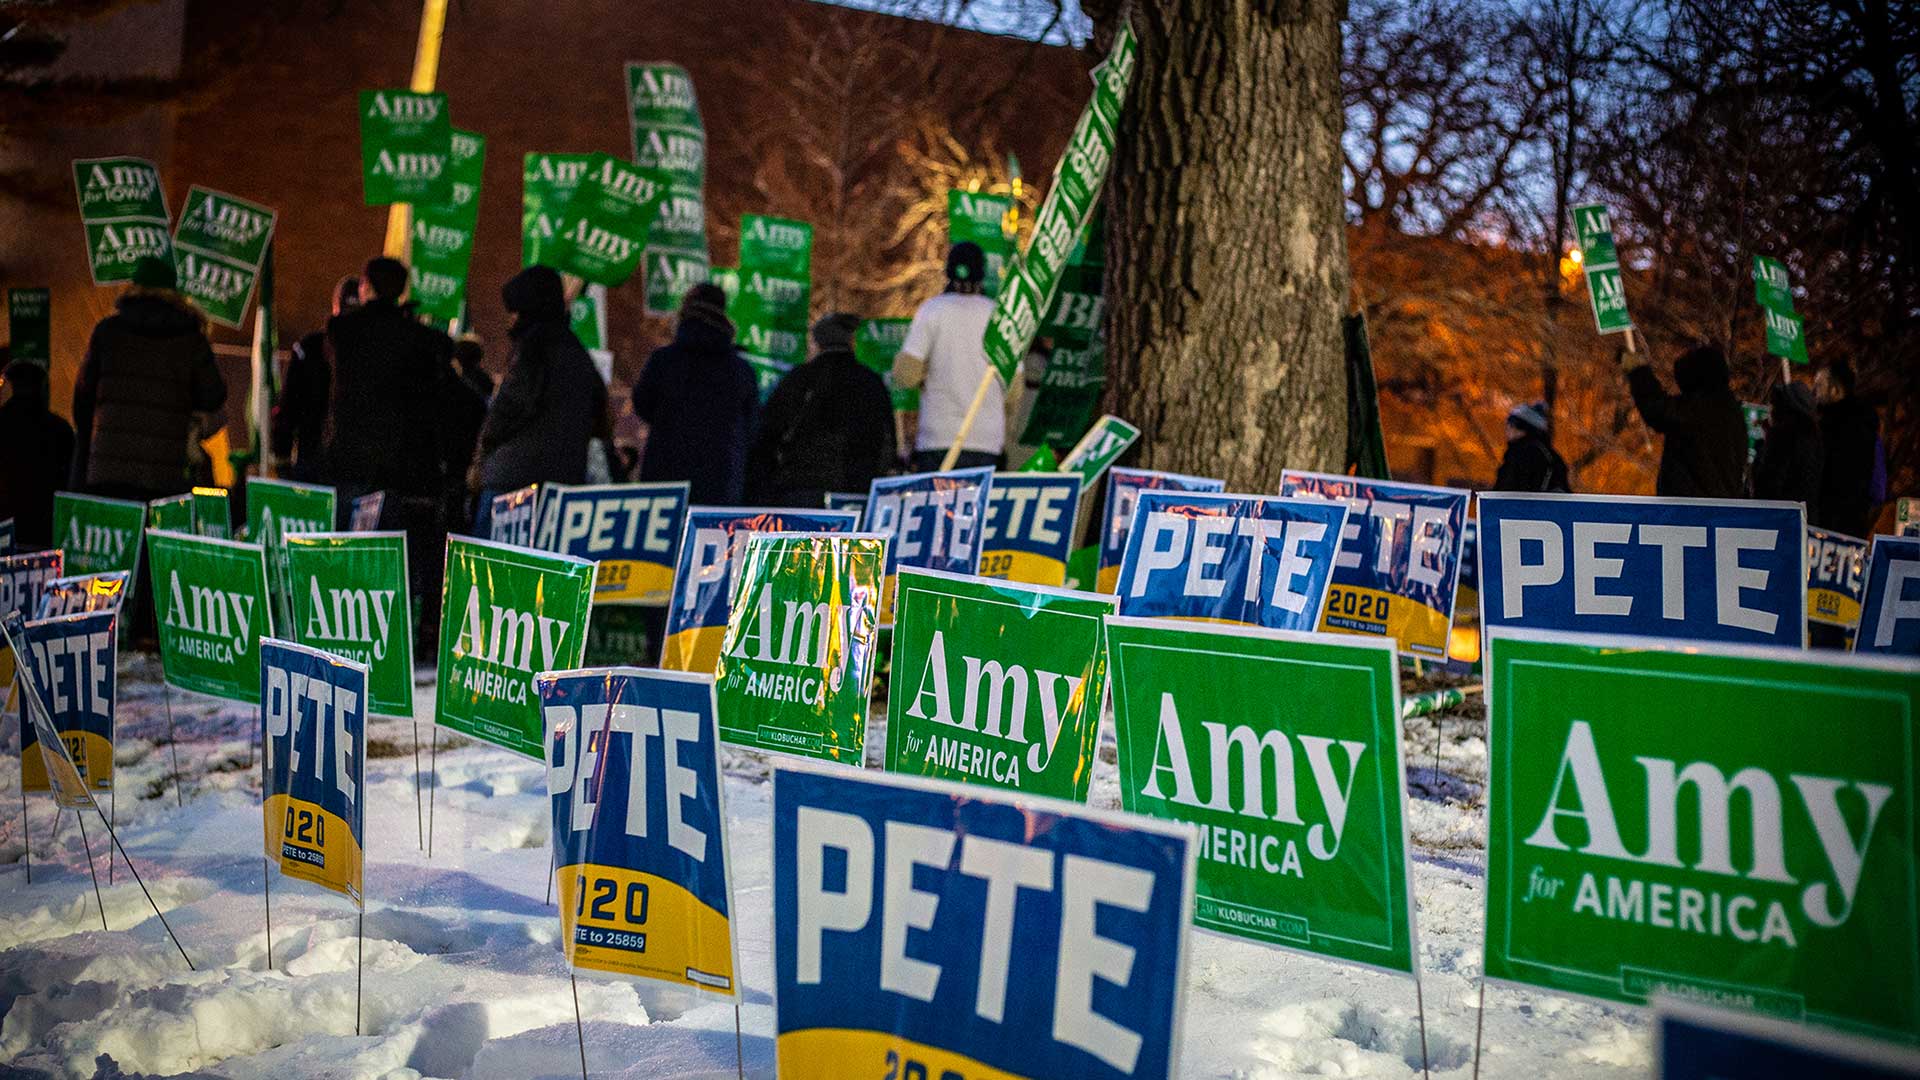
[930, 929]
[639, 827]
[631, 530]
[1399, 558]
[1030, 527]
[1247, 560]
[1836, 578]
[1890, 614]
[1123, 492]
[1727, 825]
[1703, 569]
[313, 707]
[710, 558]
[76, 659]
[932, 520]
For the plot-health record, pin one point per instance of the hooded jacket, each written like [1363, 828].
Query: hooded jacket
[148, 369]
[699, 399]
[1531, 464]
[385, 397]
[827, 427]
[551, 402]
[1705, 451]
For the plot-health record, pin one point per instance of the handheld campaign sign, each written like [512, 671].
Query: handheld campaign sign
[933, 520]
[277, 509]
[710, 557]
[1696, 1043]
[1836, 578]
[405, 142]
[632, 530]
[513, 516]
[802, 644]
[507, 613]
[1303, 838]
[1399, 558]
[69, 788]
[1123, 493]
[1705, 569]
[75, 658]
[349, 595]
[365, 516]
[313, 708]
[1029, 530]
[1890, 613]
[96, 534]
[902, 906]
[1247, 560]
[174, 514]
[82, 592]
[1100, 447]
[1728, 824]
[212, 513]
[639, 827]
[24, 577]
[996, 684]
[843, 500]
[211, 596]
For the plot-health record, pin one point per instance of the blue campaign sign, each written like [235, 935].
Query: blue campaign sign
[75, 657]
[1836, 578]
[22, 577]
[1030, 527]
[313, 708]
[365, 516]
[1399, 558]
[928, 929]
[103, 591]
[1890, 614]
[710, 556]
[933, 520]
[1123, 491]
[1247, 560]
[512, 516]
[632, 530]
[639, 828]
[1697, 1043]
[1701, 569]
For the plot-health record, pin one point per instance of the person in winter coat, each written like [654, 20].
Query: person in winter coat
[550, 404]
[36, 455]
[383, 423]
[699, 400]
[145, 391]
[1530, 463]
[1705, 451]
[1853, 476]
[827, 427]
[300, 415]
[1791, 460]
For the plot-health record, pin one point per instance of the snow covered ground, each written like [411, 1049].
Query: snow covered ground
[463, 975]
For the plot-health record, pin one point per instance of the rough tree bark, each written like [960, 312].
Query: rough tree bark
[1227, 254]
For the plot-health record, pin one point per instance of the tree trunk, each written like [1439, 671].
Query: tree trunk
[1227, 259]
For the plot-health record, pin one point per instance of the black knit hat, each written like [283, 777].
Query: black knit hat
[966, 263]
[834, 332]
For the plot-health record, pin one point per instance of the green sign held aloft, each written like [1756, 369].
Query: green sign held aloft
[603, 230]
[1600, 259]
[349, 595]
[587, 315]
[670, 273]
[219, 247]
[507, 614]
[30, 325]
[661, 96]
[277, 509]
[1726, 825]
[979, 218]
[1099, 448]
[774, 301]
[1786, 331]
[125, 215]
[211, 600]
[548, 182]
[875, 345]
[674, 150]
[1027, 292]
[669, 141]
[776, 245]
[1283, 751]
[801, 644]
[405, 143]
[98, 535]
[996, 683]
[443, 235]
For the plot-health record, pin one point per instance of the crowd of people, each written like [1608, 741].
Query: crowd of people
[377, 400]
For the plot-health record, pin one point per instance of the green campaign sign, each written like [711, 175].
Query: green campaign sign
[124, 212]
[587, 315]
[1069, 392]
[1099, 448]
[30, 325]
[219, 247]
[211, 598]
[875, 344]
[1282, 750]
[1728, 825]
[776, 245]
[405, 143]
[277, 509]
[979, 218]
[669, 141]
[443, 235]
[801, 644]
[174, 513]
[348, 593]
[996, 683]
[774, 301]
[98, 535]
[661, 96]
[212, 515]
[603, 229]
[548, 182]
[506, 614]
[1772, 289]
[1786, 335]
[1606, 288]
[670, 273]
[674, 150]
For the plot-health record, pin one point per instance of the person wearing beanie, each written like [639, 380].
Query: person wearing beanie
[699, 400]
[828, 425]
[1530, 463]
[1704, 451]
[944, 356]
[36, 454]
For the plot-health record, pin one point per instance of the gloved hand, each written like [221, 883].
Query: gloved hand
[1629, 360]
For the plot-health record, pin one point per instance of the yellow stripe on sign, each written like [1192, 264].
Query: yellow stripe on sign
[1107, 580]
[1414, 627]
[312, 844]
[696, 650]
[835, 1053]
[1832, 608]
[91, 754]
[630, 581]
[1024, 567]
[628, 922]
